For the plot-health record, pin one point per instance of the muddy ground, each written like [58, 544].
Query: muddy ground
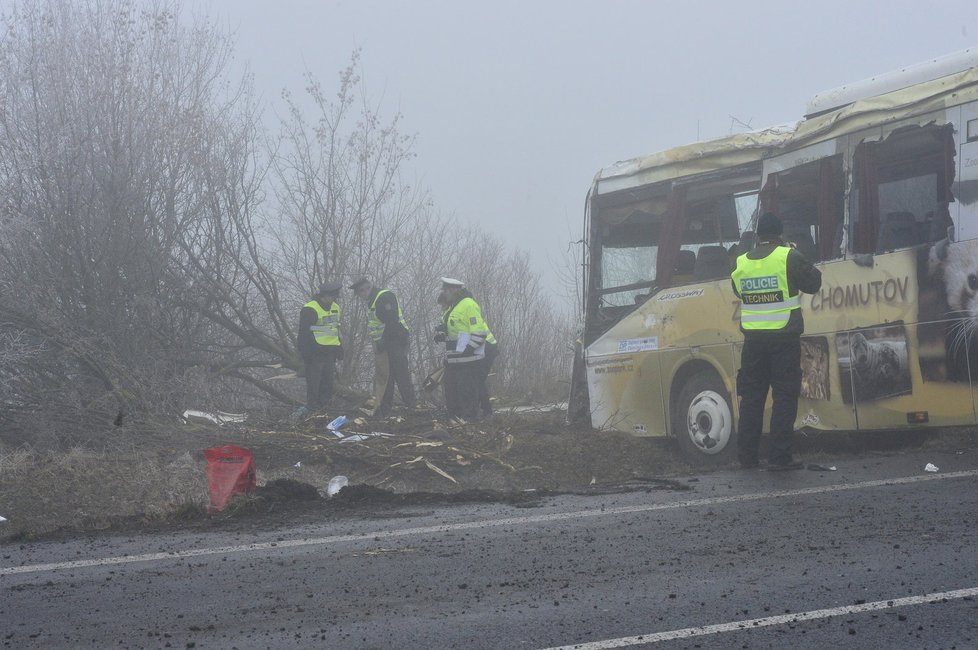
[154, 477]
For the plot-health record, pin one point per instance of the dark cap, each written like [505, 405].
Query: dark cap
[329, 288]
[768, 224]
[362, 282]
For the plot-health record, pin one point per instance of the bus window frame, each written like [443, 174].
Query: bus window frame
[864, 235]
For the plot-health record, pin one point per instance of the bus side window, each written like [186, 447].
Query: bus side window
[896, 185]
[809, 200]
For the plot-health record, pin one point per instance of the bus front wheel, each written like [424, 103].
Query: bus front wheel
[702, 420]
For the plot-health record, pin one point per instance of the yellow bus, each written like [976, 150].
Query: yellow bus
[878, 185]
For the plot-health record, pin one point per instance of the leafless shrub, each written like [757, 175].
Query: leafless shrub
[140, 265]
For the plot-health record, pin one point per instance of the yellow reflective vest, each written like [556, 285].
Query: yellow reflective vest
[763, 289]
[374, 324]
[464, 322]
[326, 329]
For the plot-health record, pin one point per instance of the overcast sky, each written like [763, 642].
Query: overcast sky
[517, 104]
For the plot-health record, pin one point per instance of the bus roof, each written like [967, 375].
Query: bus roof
[861, 112]
[906, 77]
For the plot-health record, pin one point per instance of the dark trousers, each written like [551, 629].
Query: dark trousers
[485, 367]
[320, 371]
[399, 374]
[462, 381]
[773, 363]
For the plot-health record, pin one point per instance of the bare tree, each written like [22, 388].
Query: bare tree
[140, 262]
[343, 210]
[122, 153]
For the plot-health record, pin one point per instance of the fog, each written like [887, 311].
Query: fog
[516, 105]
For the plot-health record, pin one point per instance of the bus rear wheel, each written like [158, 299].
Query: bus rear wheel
[702, 420]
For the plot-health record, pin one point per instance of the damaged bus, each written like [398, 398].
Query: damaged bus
[878, 185]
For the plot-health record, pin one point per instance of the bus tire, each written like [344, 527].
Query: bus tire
[702, 420]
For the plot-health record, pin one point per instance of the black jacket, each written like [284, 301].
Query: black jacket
[389, 314]
[803, 277]
[305, 341]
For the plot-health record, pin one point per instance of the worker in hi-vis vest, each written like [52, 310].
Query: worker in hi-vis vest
[392, 342]
[769, 280]
[470, 349]
[320, 345]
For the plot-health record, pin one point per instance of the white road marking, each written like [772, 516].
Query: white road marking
[754, 623]
[472, 525]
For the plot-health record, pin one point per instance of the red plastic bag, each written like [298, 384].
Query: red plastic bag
[230, 471]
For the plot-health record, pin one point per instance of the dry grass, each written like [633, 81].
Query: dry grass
[158, 475]
[80, 488]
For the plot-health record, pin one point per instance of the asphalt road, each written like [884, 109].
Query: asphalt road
[879, 554]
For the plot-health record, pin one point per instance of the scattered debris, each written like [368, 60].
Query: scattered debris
[298, 464]
[438, 470]
[336, 425]
[930, 467]
[539, 408]
[217, 417]
[2, 519]
[287, 375]
[360, 437]
[421, 444]
[298, 415]
[336, 484]
[815, 467]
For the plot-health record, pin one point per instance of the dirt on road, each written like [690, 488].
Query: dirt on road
[147, 477]
[155, 475]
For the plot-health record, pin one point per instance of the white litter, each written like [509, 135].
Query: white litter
[217, 417]
[2, 519]
[360, 437]
[930, 467]
[298, 464]
[336, 484]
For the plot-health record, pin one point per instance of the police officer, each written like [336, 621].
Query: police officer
[470, 349]
[319, 344]
[768, 280]
[391, 338]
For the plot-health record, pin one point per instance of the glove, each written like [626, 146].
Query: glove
[440, 337]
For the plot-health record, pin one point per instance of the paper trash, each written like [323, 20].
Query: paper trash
[930, 467]
[217, 417]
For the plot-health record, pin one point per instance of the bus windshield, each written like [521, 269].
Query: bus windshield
[667, 235]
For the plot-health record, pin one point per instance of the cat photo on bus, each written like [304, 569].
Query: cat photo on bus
[948, 280]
